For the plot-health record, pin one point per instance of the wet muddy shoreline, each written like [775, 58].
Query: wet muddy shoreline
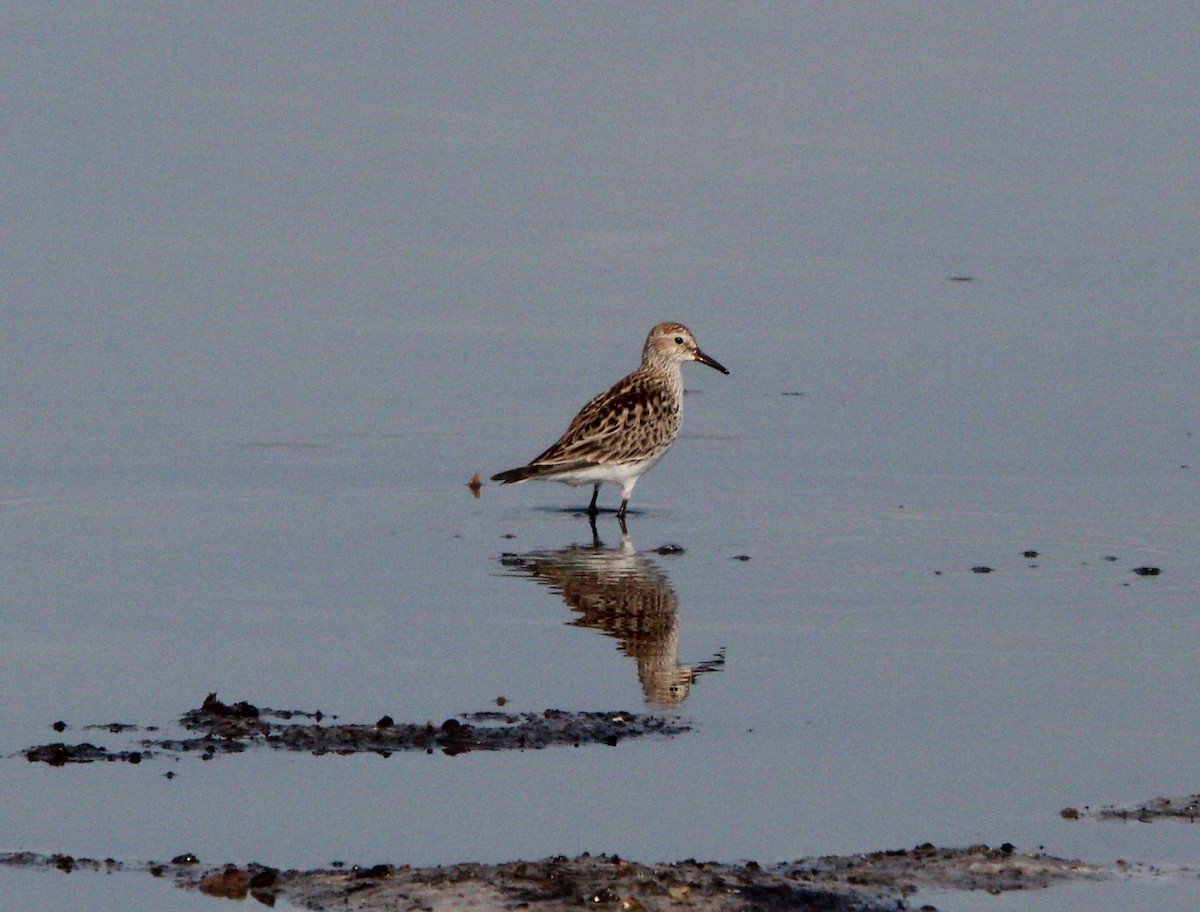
[887, 880]
[854, 883]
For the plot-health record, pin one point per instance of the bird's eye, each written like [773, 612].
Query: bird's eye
[679, 340]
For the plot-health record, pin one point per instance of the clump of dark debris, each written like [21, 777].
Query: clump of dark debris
[221, 728]
[1185, 808]
[60, 754]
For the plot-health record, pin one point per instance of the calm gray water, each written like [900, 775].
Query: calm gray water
[277, 282]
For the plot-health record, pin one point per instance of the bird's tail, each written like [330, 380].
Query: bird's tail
[540, 470]
[512, 476]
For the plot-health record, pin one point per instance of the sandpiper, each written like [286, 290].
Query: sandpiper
[622, 433]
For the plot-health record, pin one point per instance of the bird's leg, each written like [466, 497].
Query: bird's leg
[621, 521]
[621, 512]
[592, 511]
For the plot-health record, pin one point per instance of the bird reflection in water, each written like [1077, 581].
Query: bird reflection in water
[623, 594]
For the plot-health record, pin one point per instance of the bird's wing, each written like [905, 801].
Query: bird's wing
[633, 420]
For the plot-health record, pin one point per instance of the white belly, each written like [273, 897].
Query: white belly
[623, 474]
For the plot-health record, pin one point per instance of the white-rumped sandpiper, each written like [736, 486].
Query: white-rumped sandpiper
[619, 435]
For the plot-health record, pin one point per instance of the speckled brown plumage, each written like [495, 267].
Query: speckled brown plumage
[624, 431]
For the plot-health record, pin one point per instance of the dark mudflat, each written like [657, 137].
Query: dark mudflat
[224, 728]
